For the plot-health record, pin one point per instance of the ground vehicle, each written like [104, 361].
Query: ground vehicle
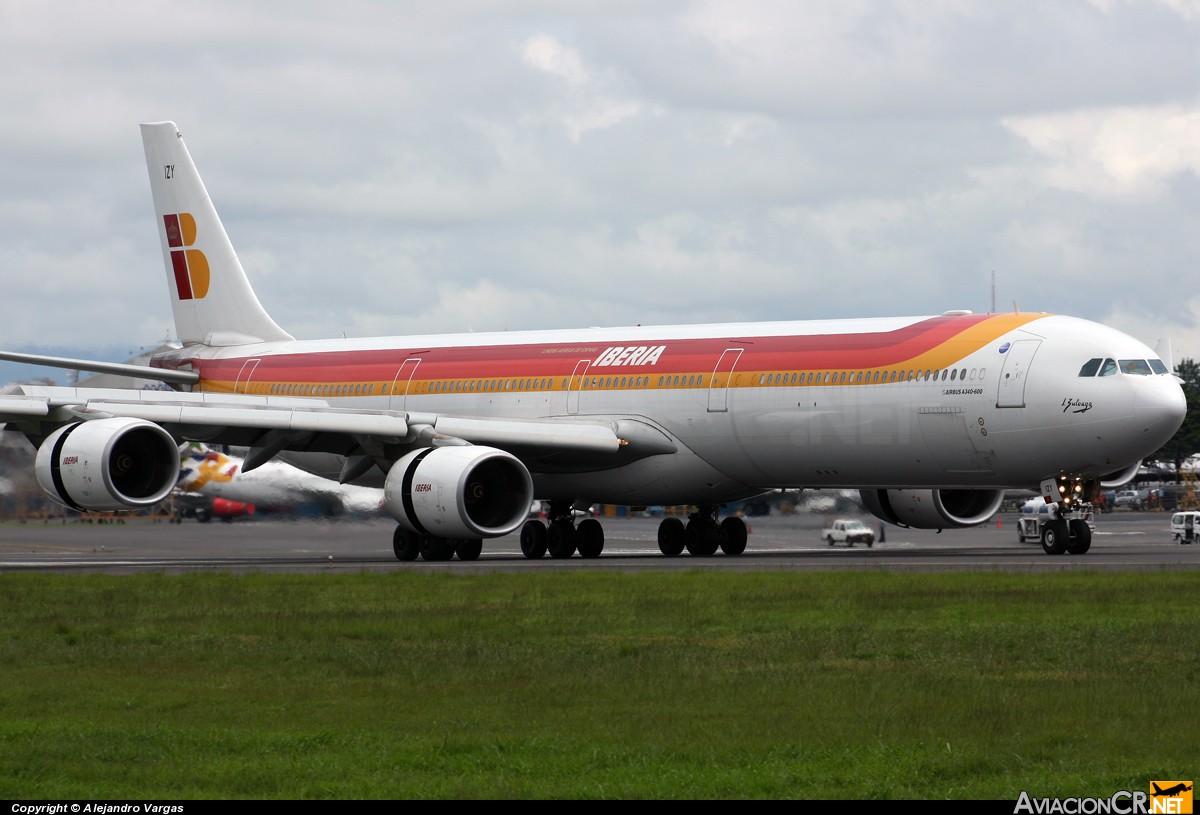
[1184, 526]
[1034, 513]
[1129, 499]
[1040, 521]
[848, 531]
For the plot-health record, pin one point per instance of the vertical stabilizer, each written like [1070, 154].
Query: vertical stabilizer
[1163, 349]
[210, 294]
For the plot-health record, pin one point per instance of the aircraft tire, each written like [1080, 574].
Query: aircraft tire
[437, 549]
[469, 548]
[702, 537]
[1054, 537]
[533, 540]
[560, 539]
[406, 545]
[1081, 538]
[672, 537]
[589, 537]
[733, 536]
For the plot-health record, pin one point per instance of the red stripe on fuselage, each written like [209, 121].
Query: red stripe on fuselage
[846, 351]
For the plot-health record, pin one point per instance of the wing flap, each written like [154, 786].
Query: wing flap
[314, 420]
[14, 407]
[548, 433]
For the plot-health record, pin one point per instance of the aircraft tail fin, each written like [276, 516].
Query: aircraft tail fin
[211, 296]
[1165, 352]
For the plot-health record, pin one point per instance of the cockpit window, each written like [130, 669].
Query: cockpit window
[1137, 367]
[1134, 367]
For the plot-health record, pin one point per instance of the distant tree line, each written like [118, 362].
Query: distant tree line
[1186, 442]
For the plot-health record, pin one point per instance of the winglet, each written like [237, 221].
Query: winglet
[211, 296]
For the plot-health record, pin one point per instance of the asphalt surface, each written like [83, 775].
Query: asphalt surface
[1122, 541]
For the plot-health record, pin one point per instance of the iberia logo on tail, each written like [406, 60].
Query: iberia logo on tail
[190, 265]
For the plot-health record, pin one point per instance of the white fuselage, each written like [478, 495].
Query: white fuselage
[992, 401]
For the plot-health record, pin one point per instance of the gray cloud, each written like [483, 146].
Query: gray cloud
[388, 168]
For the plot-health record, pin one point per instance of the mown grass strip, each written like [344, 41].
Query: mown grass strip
[597, 684]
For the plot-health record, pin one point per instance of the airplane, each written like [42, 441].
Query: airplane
[1172, 791]
[931, 418]
[213, 483]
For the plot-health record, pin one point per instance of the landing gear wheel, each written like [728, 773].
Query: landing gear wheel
[406, 545]
[701, 536]
[1054, 537]
[533, 539]
[1081, 537]
[560, 539]
[671, 537]
[436, 549]
[589, 538]
[733, 536]
[469, 548]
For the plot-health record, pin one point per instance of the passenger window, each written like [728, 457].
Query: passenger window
[1090, 367]
[1109, 368]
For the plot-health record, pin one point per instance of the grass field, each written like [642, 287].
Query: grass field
[596, 684]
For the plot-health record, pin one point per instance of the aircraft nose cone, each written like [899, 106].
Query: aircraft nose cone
[1161, 406]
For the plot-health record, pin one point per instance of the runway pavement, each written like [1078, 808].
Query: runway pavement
[1122, 541]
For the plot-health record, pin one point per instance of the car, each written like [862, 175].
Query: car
[1128, 499]
[848, 531]
[1185, 525]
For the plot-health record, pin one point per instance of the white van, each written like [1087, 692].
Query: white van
[1180, 522]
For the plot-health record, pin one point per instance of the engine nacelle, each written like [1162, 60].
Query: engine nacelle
[933, 509]
[108, 464]
[459, 492]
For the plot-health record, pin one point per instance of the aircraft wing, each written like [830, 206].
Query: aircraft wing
[274, 424]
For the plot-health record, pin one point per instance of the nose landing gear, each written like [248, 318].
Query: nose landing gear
[1070, 530]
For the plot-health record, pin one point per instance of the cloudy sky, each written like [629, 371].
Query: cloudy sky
[403, 167]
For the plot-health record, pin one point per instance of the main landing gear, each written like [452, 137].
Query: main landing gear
[409, 545]
[563, 537]
[702, 535]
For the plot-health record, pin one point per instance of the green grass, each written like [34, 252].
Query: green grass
[596, 684]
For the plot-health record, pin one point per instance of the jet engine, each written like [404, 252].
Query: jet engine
[933, 509]
[459, 492]
[108, 464]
